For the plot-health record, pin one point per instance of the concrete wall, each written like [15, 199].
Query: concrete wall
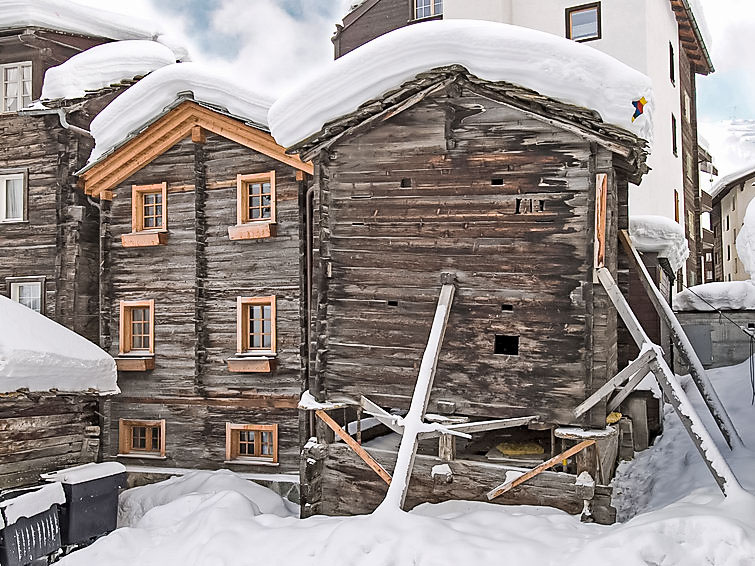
[716, 340]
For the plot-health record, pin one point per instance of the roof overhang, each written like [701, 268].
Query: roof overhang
[691, 38]
[187, 118]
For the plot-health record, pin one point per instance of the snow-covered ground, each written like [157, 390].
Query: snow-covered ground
[219, 520]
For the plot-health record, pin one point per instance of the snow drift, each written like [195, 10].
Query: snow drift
[39, 354]
[147, 99]
[551, 65]
[660, 235]
[726, 296]
[104, 65]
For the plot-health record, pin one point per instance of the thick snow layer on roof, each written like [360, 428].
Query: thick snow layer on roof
[147, 99]
[743, 173]
[85, 472]
[551, 65]
[70, 17]
[104, 65]
[39, 354]
[31, 503]
[725, 296]
[660, 235]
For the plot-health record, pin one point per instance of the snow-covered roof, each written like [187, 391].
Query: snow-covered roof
[105, 65]
[727, 181]
[142, 103]
[661, 235]
[69, 17]
[725, 296]
[39, 354]
[553, 66]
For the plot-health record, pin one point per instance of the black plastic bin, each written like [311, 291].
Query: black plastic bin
[28, 539]
[91, 507]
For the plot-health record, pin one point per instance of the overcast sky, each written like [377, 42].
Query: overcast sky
[274, 43]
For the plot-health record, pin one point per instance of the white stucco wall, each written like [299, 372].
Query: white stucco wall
[734, 205]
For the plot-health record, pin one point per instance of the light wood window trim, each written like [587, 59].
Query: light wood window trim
[125, 427]
[124, 337]
[137, 207]
[232, 443]
[242, 197]
[242, 324]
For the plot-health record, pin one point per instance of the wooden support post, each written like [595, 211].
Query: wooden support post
[507, 486]
[383, 416]
[686, 351]
[447, 447]
[361, 452]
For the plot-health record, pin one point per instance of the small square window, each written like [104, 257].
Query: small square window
[137, 327]
[138, 437]
[251, 443]
[583, 22]
[255, 207]
[28, 291]
[149, 207]
[255, 325]
[12, 197]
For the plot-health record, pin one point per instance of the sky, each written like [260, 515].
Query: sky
[276, 43]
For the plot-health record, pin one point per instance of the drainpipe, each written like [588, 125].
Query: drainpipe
[61, 113]
[309, 199]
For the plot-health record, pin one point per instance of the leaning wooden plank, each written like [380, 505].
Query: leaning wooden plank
[413, 422]
[383, 416]
[687, 352]
[496, 424]
[640, 364]
[506, 486]
[622, 394]
[623, 308]
[361, 452]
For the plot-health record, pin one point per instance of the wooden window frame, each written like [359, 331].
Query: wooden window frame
[124, 337]
[433, 13]
[20, 97]
[242, 325]
[247, 228]
[41, 279]
[125, 428]
[9, 175]
[141, 236]
[232, 436]
[584, 8]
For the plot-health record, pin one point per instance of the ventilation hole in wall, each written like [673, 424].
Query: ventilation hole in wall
[497, 181]
[518, 206]
[392, 303]
[751, 325]
[507, 308]
[506, 345]
[359, 224]
[542, 206]
[406, 183]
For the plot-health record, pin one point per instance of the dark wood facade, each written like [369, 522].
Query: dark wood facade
[371, 19]
[497, 185]
[194, 279]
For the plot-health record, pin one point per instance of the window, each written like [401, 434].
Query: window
[12, 197]
[676, 205]
[16, 86]
[427, 8]
[149, 216]
[506, 345]
[583, 22]
[727, 222]
[671, 63]
[141, 438]
[674, 144]
[28, 291]
[256, 325]
[728, 252]
[734, 201]
[255, 208]
[251, 443]
[137, 329]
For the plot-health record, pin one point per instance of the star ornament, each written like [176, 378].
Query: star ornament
[639, 107]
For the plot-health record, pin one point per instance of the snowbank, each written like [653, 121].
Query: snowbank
[725, 296]
[39, 354]
[85, 473]
[31, 503]
[551, 65]
[135, 503]
[104, 65]
[660, 235]
[148, 98]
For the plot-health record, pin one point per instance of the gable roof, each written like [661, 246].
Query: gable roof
[185, 118]
[725, 184]
[691, 36]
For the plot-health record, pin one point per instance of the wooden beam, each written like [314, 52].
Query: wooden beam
[640, 364]
[623, 308]
[509, 485]
[495, 424]
[361, 452]
[622, 394]
[384, 417]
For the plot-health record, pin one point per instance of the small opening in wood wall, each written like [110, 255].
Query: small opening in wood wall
[507, 308]
[406, 183]
[518, 206]
[542, 206]
[751, 325]
[506, 345]
[392, 303]
[497, 181]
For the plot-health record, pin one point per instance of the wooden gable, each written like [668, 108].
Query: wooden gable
[186, 119]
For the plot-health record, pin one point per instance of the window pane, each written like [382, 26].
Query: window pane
[584, 23]
[267, 443]
[156, 438]
[139, 437]
[14, 199]
[438, 7]
[423, 8]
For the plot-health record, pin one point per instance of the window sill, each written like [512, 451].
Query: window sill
[252, 231]
[425, 19]
[251, 364]
[14, 221]
[144, 239]
[134, 363]
[145, 456]
[260, 462]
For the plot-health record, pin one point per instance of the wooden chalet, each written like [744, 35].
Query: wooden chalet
[492, 188]
[200, 291]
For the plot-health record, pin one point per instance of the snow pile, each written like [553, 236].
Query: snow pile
[31, 503]
[660, 235]
[135, 503]
[725, 296]
[85, 473]
[551, 65]
[104, 65]
[39, 354]
[147, 99]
